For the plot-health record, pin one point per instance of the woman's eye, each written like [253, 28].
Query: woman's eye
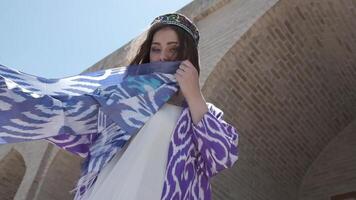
[155, 50]
[173, 50]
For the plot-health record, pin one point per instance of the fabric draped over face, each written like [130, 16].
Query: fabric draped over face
[92, 115]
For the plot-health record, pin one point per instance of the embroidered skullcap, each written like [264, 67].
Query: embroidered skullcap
[180, 21]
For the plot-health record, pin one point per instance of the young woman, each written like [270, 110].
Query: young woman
[185, 143]
[137, 144]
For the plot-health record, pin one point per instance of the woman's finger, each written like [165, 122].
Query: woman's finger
[188, 66]
[184, 67]
[187, 63]
[180, 72]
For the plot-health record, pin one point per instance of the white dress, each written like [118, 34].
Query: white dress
[138, 171]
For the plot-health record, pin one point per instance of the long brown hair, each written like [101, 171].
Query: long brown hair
[187, 48]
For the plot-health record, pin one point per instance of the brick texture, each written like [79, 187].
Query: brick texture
[334, 171]
[288, 85]
[12, 170]
[63, 171]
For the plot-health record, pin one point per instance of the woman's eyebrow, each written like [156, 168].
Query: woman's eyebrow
[169, 43]
[172, 43]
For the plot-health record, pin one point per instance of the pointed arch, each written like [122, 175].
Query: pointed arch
[12, 171]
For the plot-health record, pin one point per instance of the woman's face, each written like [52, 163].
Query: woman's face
[164, 45]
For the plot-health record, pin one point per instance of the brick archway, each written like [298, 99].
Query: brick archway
[61, 177]
[333, 174]
[288, 85]
[12, 171]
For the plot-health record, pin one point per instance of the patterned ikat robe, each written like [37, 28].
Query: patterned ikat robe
[88, 115]
[198, 152]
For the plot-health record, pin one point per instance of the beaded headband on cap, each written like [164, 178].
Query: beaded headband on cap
[178, 20]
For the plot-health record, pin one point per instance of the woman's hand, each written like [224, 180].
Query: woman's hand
[188, 80]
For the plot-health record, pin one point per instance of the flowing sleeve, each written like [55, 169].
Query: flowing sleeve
[27, 116]
[217, 142]
[66, 111]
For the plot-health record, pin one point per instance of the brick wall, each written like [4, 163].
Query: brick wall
[60, 177]
[12, 170]
[334, 171]
[288, 85]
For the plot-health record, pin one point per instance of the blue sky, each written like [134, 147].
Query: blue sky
[55, 39]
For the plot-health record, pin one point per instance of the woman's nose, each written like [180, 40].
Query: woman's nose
[164, 56]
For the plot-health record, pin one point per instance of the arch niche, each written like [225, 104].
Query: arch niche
[60, 177]
[12, 171]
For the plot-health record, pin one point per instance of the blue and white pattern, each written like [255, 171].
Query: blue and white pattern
[123, 113]
[92, 115]
[196, 153]
[95, 114]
